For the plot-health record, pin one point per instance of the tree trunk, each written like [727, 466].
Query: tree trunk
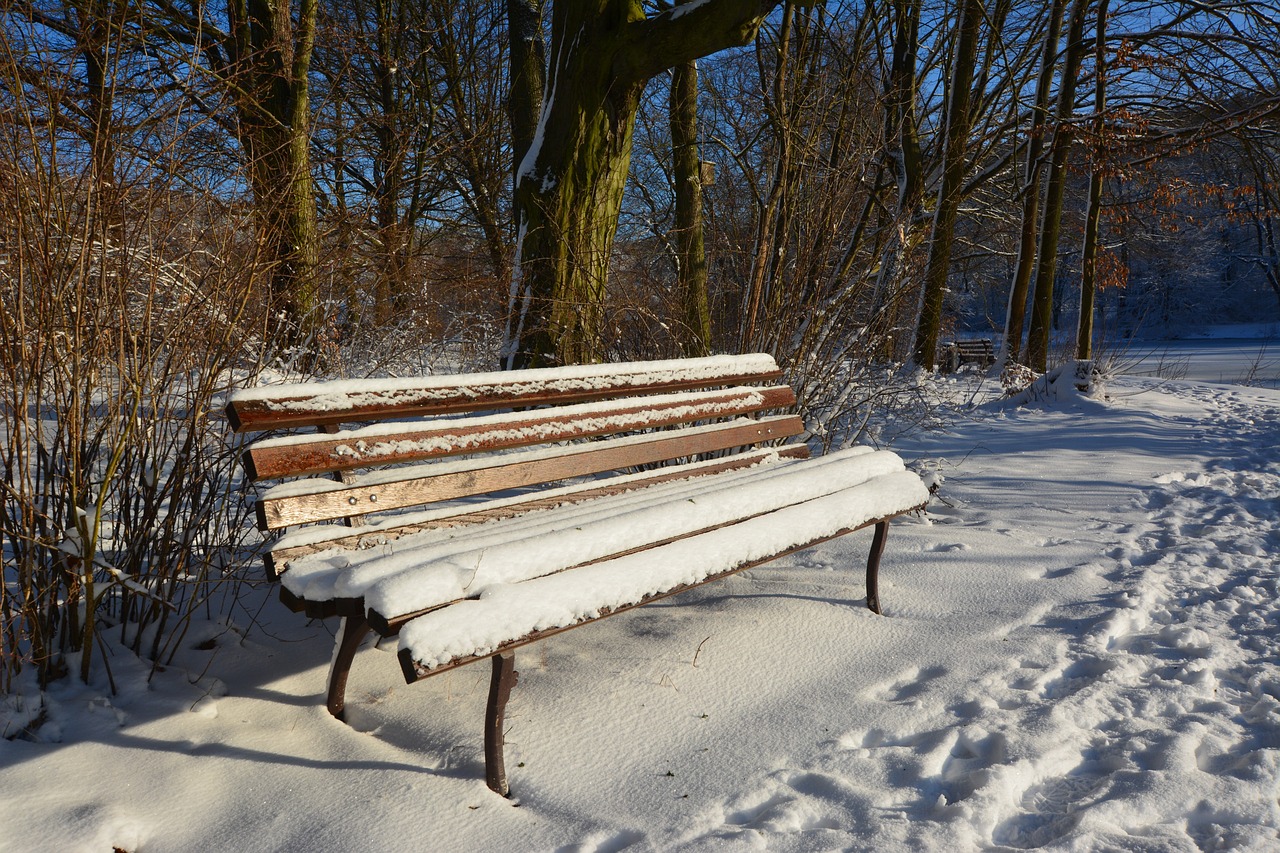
[569, 194]
[1269, 252]
[94, 19]
[1055, 191]
[904, 156]
[528, 73]
[1093, 213]
[902, 132]
[524, 107]
[1015, 319]
[959, 121]
[768, 233]
[691, 255]
[273, 58]
[390, 273]
[569, 185]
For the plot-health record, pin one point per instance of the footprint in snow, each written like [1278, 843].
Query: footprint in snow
[945, 548]
[908, 686]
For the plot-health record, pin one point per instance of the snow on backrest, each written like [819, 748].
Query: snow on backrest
[327, 402]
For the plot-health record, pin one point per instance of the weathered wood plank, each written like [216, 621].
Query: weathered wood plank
[576, 460]
[315, 404]
[303, 455]
[278, 559]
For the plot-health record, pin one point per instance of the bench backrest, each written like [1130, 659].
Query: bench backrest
[443, 438]
[975, 349]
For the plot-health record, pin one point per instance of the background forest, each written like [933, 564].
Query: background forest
[191, 194]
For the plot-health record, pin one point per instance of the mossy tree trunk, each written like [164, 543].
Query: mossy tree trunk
[691, 254]
[569, 185]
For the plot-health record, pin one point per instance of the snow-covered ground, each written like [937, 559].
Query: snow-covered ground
[1082, 651]
[1235, 357]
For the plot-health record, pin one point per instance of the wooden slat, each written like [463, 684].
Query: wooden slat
[317, 455]
[278, 559]
[413, 672]
[390, 626]
[574, 461]
[322, 609]
[296, 406]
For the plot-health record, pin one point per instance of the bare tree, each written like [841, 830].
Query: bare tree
[691, 253]
[1051, 215]
[1097, 175]
[959, 119]
[1030, 189]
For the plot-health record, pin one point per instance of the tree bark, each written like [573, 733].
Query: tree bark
[1055, 191]
[569, 185]
[528, 73]
[1093, 212]
[524, 108]
[272, 59]
[768, 231]
[954, 161]
[691, 256]
[1015, 320]
[902, 132]
[904, 154]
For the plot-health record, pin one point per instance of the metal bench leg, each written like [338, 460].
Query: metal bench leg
[873, 566]
[504, 678]
[354, 629]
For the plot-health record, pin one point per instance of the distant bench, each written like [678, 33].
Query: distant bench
[513, 506]
[979, 352]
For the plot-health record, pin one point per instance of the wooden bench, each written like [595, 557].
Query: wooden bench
[474, 514]
[957, 353]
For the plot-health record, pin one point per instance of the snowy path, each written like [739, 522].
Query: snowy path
[1145, 718]
[1163, 713]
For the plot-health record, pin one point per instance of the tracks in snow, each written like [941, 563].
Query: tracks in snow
[1152, 724]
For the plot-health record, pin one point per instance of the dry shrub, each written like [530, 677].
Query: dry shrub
[123, 322]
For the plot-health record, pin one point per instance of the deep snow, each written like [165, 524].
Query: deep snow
[1082, 651]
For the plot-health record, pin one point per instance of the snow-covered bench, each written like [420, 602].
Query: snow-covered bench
[513, 506]
[960, 352]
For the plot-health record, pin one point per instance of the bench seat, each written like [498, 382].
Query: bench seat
[435, 567]
[507, 612]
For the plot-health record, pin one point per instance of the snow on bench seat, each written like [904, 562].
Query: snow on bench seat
[430, 569]
[507, 612]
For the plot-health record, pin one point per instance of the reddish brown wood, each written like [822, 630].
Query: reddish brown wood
[518, 429]
[278, 559]
[343, 477]
[504, 678]
[496, 472]
[300, 410]
[321, 609]
[413, 672]
[576, 461]
[354, 629]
